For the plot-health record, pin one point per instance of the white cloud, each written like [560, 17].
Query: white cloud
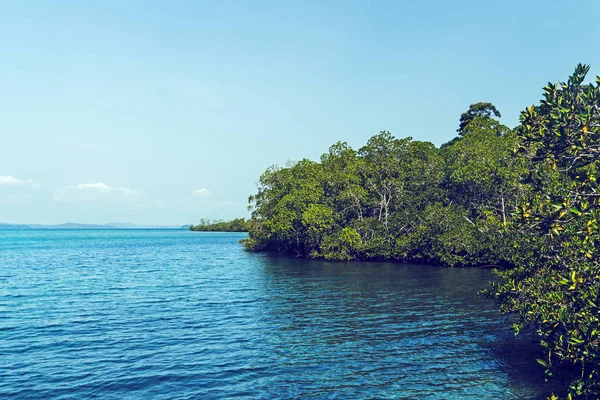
[91, 191]
[9, 180]
[102, 187]
[202, 192]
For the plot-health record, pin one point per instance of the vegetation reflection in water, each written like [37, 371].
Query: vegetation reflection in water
[408, 331]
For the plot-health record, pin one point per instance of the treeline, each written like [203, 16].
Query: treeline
[235, 225]
[395, 198]
[524, 200]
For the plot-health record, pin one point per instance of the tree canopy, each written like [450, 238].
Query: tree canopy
[477, 110]
[235, 225]
[556, 289]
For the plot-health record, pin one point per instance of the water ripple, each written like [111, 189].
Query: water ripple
[175, 314]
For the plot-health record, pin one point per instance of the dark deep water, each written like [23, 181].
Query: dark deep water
[139, 314]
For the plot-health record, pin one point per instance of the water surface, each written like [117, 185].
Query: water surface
[165, 314]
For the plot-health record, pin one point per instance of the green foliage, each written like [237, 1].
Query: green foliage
[236, 225]
[483, 172]
[392, 199]
[343, 245]
[556, 289]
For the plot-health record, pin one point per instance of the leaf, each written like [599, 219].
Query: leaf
[575, 341]
[562, 214]
[541, 362]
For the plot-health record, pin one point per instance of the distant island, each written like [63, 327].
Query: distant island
[71, 225]
[235, 225]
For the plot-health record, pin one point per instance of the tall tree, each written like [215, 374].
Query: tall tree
[477, 110]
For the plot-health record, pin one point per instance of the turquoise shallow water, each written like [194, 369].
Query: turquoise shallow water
[169, 314]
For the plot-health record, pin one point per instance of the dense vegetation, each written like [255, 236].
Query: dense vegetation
[235, 225]
[393, 199]
[524, 200]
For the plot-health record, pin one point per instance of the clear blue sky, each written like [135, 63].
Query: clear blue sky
[163, 112]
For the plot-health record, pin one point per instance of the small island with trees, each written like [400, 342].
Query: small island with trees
[206, 225]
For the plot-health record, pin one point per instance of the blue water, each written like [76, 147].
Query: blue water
[168, 314]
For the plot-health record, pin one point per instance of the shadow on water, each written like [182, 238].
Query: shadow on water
[406, 330]
[518, 354]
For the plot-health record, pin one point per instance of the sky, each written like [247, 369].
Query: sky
[165, 112]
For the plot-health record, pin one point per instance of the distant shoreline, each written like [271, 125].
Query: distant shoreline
[76, 226]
